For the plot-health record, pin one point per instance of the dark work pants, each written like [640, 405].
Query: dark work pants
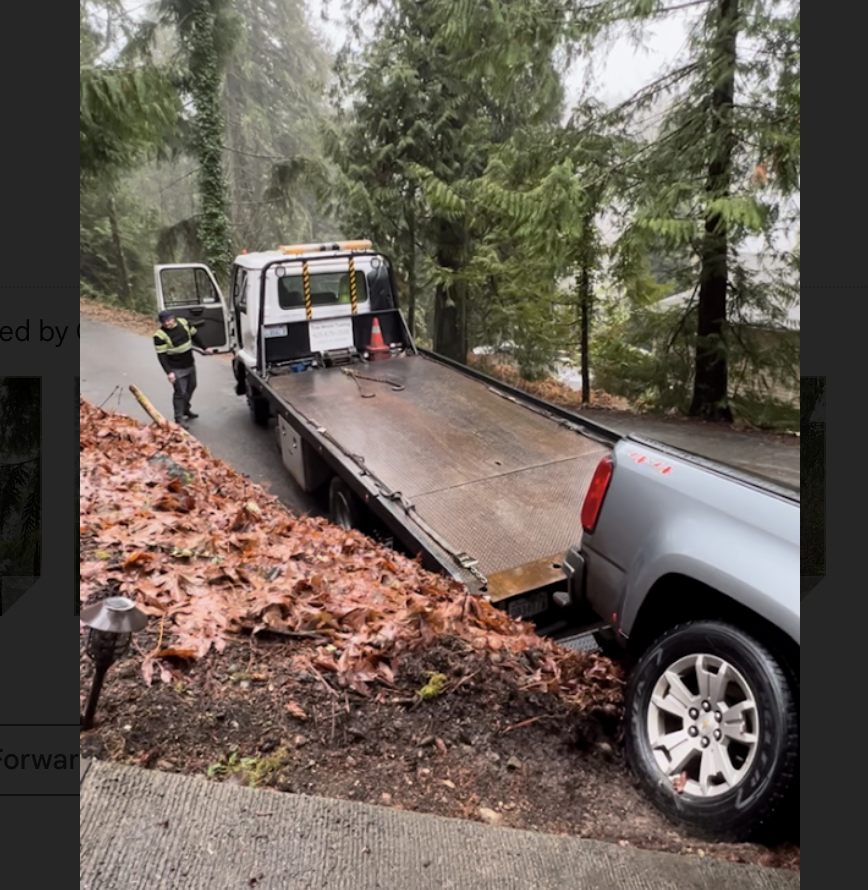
[185, 386]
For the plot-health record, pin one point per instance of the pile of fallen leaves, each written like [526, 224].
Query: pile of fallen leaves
[551, 390]
[211, 557]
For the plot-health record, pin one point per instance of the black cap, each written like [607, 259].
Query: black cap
[166, 313]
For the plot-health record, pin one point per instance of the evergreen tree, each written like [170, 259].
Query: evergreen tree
[275, 108]
[725, 155]
[125, 109]
[206, 32]
[420, 128]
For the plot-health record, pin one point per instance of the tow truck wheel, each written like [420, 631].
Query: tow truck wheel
[713, 731]
[343, 506]
[240, 382]
[260, 410]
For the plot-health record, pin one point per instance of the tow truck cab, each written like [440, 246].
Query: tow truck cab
[303, 306]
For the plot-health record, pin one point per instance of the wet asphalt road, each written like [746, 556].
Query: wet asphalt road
[111, 359]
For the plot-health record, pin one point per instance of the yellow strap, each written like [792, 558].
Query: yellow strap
[308, 299]
[354, 293]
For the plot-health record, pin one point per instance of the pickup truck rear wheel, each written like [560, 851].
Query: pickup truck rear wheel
[343, 505]
[713, 730]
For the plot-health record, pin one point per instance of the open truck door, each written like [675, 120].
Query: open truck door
[191, 291]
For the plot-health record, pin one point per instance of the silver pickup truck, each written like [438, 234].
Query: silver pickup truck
[694, 567]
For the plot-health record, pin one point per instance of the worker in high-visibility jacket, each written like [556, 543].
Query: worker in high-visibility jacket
[174, 342]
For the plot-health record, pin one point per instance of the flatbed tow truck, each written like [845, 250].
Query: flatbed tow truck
[428, 456]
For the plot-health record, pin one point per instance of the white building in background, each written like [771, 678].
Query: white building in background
[785, 318]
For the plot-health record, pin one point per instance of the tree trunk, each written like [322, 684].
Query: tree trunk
[711, 373]
[585, 298]
[449, 336]
[120, 256]
[411, 277]
[238, 185]
[37, 557]
[588, 261]
[210, 129]
[461, 289]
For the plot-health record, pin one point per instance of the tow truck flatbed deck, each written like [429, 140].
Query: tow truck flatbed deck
[497, 478]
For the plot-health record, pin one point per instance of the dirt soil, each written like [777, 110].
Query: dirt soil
[353, 674]
[486, 746]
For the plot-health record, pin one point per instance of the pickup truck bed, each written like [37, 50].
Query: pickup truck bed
[498, 479]
[754, 479]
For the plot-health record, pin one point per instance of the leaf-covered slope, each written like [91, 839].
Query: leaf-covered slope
[211, 556]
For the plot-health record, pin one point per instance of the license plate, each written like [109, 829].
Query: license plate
[528, 606]
[280, 331]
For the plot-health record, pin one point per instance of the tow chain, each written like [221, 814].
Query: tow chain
[396, 385]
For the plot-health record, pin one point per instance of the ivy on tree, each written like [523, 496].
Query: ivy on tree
[207, 31]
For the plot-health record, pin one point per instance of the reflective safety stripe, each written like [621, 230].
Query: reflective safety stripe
[308, 297]
[166, 347]
[354, 290]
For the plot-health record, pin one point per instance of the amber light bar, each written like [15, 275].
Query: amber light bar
[295, 249]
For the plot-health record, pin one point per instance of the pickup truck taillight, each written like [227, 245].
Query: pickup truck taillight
[596, 494]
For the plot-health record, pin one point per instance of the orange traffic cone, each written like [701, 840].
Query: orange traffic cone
[378, 351]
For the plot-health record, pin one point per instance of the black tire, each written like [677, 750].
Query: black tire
[344, 507]
[260, 410]
[752, 806]
[240, 378]
[789, 825]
